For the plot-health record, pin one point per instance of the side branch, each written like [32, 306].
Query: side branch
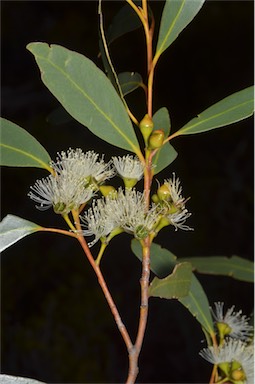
[107, 294]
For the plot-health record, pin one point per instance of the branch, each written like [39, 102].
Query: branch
[103, 285]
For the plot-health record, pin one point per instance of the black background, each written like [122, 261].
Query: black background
[56, 326]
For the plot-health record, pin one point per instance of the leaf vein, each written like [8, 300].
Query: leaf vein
[89, 99]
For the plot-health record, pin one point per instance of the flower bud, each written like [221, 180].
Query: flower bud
[237, 374]
[156, 139]
[146, 127]
[155, 199]
[163, 192]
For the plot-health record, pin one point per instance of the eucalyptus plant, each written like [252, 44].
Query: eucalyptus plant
[78, 185]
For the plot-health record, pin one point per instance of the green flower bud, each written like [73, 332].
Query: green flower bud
[238, 375]
[146, 127]
[163, 192]
[156, 139]
[155, 199]
[237, 372]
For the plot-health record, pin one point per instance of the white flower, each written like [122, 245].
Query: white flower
[237, 323]
[77, 175]
[233, 351]
[97, 221]
[129, 168]
[125, 210]
[175, 189]
[130, 212]
[84, 165]
[63, 192]
[174, 203]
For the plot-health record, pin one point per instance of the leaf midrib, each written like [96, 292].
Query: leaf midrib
[224, 263]
[161, 48]
[27, 154]
[213, 117]
[88, 98]
[30, 229]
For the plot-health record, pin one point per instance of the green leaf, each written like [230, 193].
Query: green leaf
[129, 81]
[13, 229]
[167, 154]
[126, 20]
[20, 149]
[174, 286]
[86, 94]
[233, 108]
[161, 120]
[8, 379]
[162, 260]
[177, 14]
[236, 267]
[196, 302]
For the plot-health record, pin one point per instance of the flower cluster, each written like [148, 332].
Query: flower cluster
[234, 356]
[77, 178]
[120, 211]
[169, 196]
[235, 360]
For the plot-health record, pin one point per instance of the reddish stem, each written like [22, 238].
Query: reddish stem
[107, 294]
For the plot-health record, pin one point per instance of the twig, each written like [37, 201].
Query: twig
[103, 285]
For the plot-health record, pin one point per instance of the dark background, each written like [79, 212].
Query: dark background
[56, 326]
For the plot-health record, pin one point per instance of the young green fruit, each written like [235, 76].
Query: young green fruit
[156, 139]
[146, 126]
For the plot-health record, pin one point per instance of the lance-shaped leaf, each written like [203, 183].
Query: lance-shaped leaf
[20, 149]
[13, 229]
[162, 261]
[196, 302]
[167, 154]
[8, 379]
[174, 286]
[129, 81]
[233, 108]
[86, 94]
[236, 267]
[177, 14]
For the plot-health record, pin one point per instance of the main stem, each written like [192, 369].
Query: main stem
[144, 281]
